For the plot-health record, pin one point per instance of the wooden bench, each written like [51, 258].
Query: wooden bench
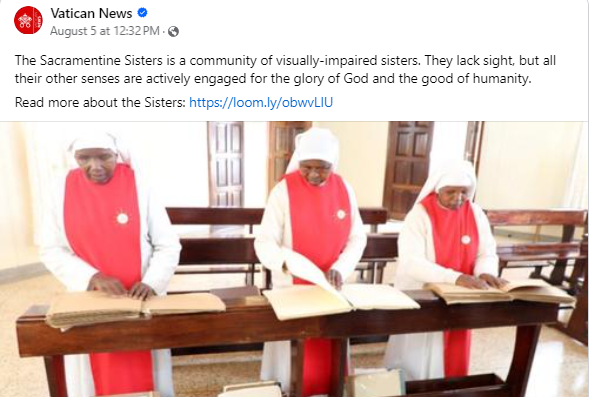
[538, 255]
[370, 271]
[578, 324]
[239, 250]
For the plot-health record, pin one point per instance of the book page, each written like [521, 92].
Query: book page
[90, 307]
[530, 282]
[263, 391]
[549, 294]
[183, 303]
[452, 289]
[377, 296]
[299, 301]
[92, 302]
[301, 267]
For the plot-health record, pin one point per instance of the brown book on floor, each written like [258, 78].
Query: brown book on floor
[376, 383]
[528, 290]
[93, 307]
[256, 389]
[143, 394]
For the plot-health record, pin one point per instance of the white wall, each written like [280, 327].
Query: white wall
[448, 142]
[362, 159]
[255, 162]
[526, 164]
[16, 211]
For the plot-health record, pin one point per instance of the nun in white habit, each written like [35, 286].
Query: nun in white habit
[465, 254]
[158, 255]
[293, 222]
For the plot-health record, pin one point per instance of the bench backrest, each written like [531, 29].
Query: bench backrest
[568, 218]
[540, 248]
[249, 216]
[240, 250]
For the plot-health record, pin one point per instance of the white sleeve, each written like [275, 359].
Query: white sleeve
[56, 254]
[165, 244]
[269, 238]
[356, 242]
[413, 241]
[487, 260]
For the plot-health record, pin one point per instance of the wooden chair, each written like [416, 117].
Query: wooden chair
[533, 254]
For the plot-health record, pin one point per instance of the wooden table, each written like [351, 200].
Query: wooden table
[253, 320]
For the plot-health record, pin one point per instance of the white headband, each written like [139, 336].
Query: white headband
[94, 141]
[315, 144]
[102, 140]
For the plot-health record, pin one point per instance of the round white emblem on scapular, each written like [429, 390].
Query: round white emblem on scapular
[341, 214]
[465, 239]
[122, 218]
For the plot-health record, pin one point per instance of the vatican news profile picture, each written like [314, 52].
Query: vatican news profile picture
[28, 20]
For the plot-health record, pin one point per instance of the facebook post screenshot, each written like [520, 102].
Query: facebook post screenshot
[168, 229]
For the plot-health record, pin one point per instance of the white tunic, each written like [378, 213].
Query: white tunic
[160, 252]
[274, 234]
[421, 355]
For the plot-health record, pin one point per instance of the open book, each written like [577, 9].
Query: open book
[91, 307]
[528, 290]
[321, 298]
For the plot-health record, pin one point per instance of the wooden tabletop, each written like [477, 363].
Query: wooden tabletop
[252, 320]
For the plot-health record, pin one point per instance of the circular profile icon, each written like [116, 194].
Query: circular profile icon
[28, 20]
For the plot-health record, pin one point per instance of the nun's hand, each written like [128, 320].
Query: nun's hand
[467, 281]
[140, 291]
[335, 279]
[107, 284]
[493, 281]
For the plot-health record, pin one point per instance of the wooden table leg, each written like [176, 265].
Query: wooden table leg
[578, 272]
[524, 351]
[380, 272]
[371, 276]
[297, 368]
[339, 367]
[557, 275]
[54, 369]
[577, 326]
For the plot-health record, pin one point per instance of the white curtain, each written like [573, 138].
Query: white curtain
[577, 190]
